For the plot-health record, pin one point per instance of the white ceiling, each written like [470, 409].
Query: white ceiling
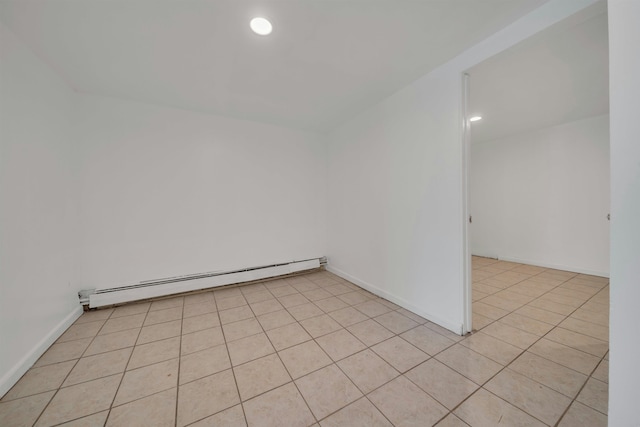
[324, 62]
[559, 75]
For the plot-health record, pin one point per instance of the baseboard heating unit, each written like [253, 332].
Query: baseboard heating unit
[175, 285]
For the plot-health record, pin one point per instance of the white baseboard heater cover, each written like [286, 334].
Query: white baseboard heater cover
[164, 287]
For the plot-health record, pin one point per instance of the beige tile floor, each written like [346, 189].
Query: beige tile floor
[317, 350]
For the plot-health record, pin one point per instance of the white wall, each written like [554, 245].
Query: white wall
[37, 211]
[396, 217]
[166, 192]
[624, 66]
[542, 198]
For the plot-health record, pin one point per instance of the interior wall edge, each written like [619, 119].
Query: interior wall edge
[455, 328]
[14, 374]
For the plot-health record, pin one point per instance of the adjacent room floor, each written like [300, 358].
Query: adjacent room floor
[318, 349]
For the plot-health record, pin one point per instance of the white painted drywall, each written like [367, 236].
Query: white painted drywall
[167, 192]
[542, 198]
[395, 223]
[37, 209]
[624, 66]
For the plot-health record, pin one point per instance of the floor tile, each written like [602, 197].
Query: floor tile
[527, 324]
[360, 413]
[283, 406]
[427, 340]
[551, 374]
[24, 411]
[200, 322]
[275, 319]
[486, 409]
[404, 404]
[129, 309]
[287, 336]
[602, 372]
[511, 335]
[338, 289]
[231, 302]
[235, 314]
[200, 340]
[98, 366]
[444, 332]
[39, 380]
[396, 322]
[204, 363]
[283, 291]
[469, 363]
[411, 315]
[72, 402]
[264, 307]
[258, 296]
[327, 390]
[148, 380]
[442, 383]
[353, 298]
[294, 300]
[320, 325]
[580, 415]
[316, 294]
[95, 420]
[541, 315]
[155, 410]
[330, 304]
[199, 298]
[159, 332]
[154, 352]
[533, 398]
[226, 292]
[372, 308]
[578, 341]
[370, 332]
[566, 356]
[586, 328]
[206, 396]
[595, 394]
[400, 354]
[260, 375]
[244, 328]
[249, 348]
[198, 309]
[95, 315]
[451, 421]
[340, 344]
[304, 311]
[232, 417]
[122, 323]
[304, 358]
[161, 316]
[493, 348]
[82, 330]
[367, 370]
[348, 316]
[63, 352]
[167, 303]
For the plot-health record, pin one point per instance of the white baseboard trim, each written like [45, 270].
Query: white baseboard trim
[455, 328]
[555, 266]
[9, 379]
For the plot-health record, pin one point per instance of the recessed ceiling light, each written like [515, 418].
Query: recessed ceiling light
[475, 118]
[261, 26]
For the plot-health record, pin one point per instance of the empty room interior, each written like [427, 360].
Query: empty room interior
[319, 213]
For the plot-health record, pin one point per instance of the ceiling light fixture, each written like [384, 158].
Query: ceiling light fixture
[261, 26]
[475, 118]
